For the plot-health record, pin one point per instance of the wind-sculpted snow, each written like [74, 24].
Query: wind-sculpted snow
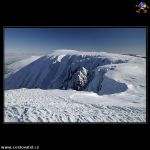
[35, 105]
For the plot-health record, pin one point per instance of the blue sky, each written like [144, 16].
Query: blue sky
[117, 40]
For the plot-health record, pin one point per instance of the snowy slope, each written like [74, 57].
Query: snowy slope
[36, 105]
[105, 87]
[18, 64]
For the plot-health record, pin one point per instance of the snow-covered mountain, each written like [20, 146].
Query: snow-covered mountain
[93, 80]
[70, 70]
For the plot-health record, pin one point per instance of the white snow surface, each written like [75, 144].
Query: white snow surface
[36, 105]
[111, 88]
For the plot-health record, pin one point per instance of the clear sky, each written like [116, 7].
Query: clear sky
[117, 40]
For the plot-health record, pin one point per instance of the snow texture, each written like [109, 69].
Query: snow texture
[36, 105]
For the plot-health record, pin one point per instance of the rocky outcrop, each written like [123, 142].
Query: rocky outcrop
[77, 79]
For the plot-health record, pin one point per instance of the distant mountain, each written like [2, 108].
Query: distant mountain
[135, 55]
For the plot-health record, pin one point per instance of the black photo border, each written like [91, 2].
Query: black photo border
[35, 123]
